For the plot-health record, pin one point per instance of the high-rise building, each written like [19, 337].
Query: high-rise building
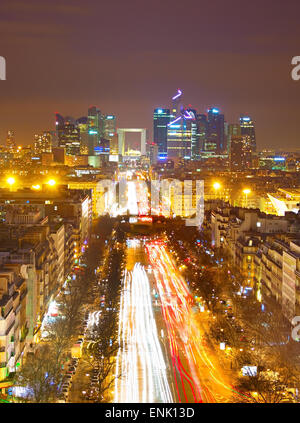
[180, 129]
[95, 128]
[180, 138]
[247, 128]
[109, 127]
[240, 153]
[161, 119]
[194, 133]
[215, 131]
[43, 143]
[68, 134]
[201, 132]
[10, 140]
[83, 126]
[232, 130]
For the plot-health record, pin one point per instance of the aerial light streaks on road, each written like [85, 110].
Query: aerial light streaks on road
[140, 368]
[197, 379]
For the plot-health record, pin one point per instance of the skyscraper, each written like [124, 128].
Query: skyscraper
[109, 127]
[83, 126]
[95, 128]
[10, 140]
[201, 132]
[247, 128]
[68, 134]
[194, 133]
[240, 153]
[233, 130]
[161, 119]
[43, 143]
[180, 138]
[215, 131]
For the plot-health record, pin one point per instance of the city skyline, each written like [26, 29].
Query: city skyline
[70, 61]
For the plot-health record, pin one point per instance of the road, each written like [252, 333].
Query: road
[197, 372]
[141, 368]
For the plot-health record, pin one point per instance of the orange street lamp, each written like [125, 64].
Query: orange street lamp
[246, 191]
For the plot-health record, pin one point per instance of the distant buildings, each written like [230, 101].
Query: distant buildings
[182, 133]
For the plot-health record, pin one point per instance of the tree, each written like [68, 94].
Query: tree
[40, 375]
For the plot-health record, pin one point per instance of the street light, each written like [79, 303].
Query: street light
[217, 185]
[246, 191]
[36, 187]
[11, 181]
[51, 182]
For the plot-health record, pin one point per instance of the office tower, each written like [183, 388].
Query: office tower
[43, 143]
[215, 131]
[109, 127]
[153, 153]
[240, 153]
[232, 130]
[195, 152]
[201, 132]
[10, 140]
[247, 128]
[83, 125]
[68, 135]
[161, 118]
[179, 141]
[95, 128]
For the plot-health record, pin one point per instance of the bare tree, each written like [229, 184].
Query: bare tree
[40, 375]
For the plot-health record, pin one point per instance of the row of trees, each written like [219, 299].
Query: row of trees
[101, 349]
[41, 372]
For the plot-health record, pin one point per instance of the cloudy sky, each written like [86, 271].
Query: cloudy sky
[130, 56]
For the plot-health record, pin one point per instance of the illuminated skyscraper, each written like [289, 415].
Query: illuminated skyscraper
[215, 131]
[161, 118]
[95, 128]
[109, 127]
[68, 134]
[201, 132]
[194, 134]
[180, 138]
[232, 130]
[43, 143]
[247, 128]
[10, 140]
[180, 130]
[240, 153]
[83, 126]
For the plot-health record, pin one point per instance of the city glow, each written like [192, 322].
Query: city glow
[37, 187]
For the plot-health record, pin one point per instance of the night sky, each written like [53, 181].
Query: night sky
[128, 57]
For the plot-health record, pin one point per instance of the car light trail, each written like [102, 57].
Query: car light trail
[195, 374]
[140, 366]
